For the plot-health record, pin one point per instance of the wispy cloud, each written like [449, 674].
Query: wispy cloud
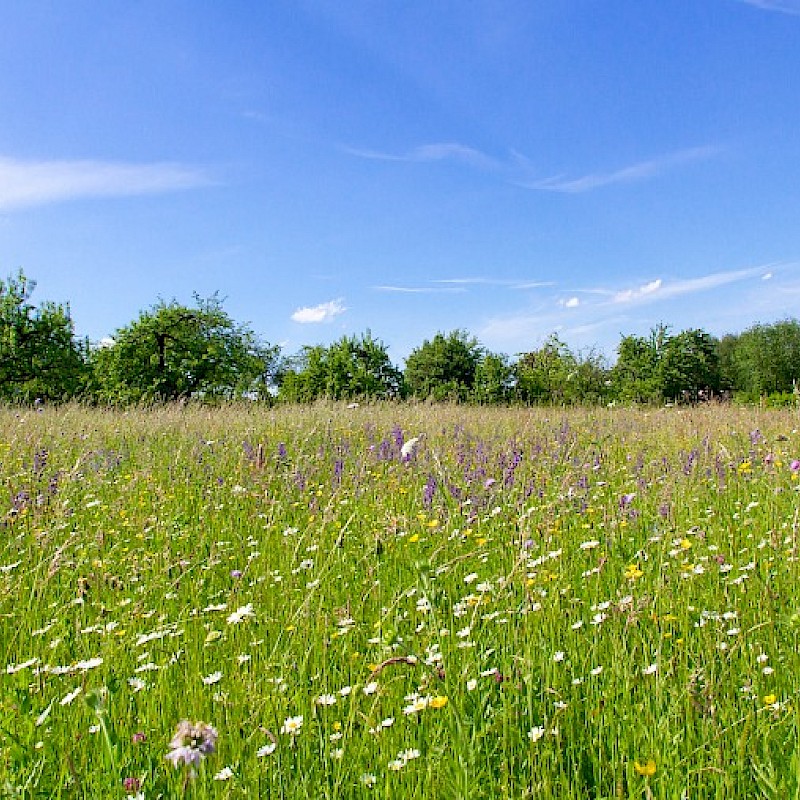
[439, 151]
[659, 290]
[783, 6]
[420, 289]
[605, 309]
[24, 184]
[514, 284]
[635, 172]
[627, 295]
[324, 312]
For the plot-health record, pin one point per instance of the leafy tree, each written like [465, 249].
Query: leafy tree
[689, 365]
[39, 354]
[542, 374]
[766, 359]
[554, 374]
[445, 367]
[350, 368]
[635, 376]
[174, 351]
[494, 379]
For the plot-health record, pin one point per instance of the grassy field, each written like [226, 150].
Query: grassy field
[246, 602]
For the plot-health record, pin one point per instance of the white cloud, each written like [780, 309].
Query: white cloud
[35, 183]
[420, 289]
[324, 312]
[784, 6]
[634, 172]
[634, 294]
[439, 151]
[573, 302]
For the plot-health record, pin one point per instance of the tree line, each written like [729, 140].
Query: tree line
[174, 351]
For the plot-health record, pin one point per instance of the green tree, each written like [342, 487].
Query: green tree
[444, 368]
[494, 379]
[689, 365]
[354, 367]
[39, 354]
[554, 374]
[636, 375]
[174, 351]
[766, 359]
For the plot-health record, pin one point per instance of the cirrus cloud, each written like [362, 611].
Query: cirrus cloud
[24, 184]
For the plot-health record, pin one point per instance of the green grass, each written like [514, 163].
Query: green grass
[540, 603]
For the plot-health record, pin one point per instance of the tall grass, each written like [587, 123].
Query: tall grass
[592, 603]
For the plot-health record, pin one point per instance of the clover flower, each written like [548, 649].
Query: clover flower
[192, 742]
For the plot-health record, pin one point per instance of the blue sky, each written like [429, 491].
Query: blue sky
[514, 168]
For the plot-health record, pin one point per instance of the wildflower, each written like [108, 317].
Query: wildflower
[472, 684]
[191, 743]
[214, 677]
[651, 670]
[559, 655]
[241, 613]
[292, 725]
[648, 769]
[368, 779]
[131, 785]
[438, 702]
[370, 688]
[68, 698]
[326, 700]
[633, 572]
[266, 750]
[534, 734]
[590, 545]
[226, 773]
[770, 699]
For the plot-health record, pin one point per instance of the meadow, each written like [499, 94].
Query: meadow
[296, 603]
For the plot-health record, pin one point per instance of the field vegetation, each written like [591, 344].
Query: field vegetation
[399, 600]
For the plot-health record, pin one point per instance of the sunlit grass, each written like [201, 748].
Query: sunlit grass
[537, 603]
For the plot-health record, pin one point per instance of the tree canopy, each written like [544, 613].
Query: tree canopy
[174, 351]
[354, 367]
[444, 368]
[40, 356]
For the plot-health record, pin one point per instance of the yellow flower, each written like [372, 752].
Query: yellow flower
[633, 572]
[413, 538]
[438, 702]
[770, 699]
[647, 769]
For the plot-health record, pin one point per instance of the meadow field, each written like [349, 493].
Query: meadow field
[296, 603]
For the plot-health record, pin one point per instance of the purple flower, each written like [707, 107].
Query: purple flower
[429, 491]
[795, 465]
[626, 500]
[131, 785]
[192, 742]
